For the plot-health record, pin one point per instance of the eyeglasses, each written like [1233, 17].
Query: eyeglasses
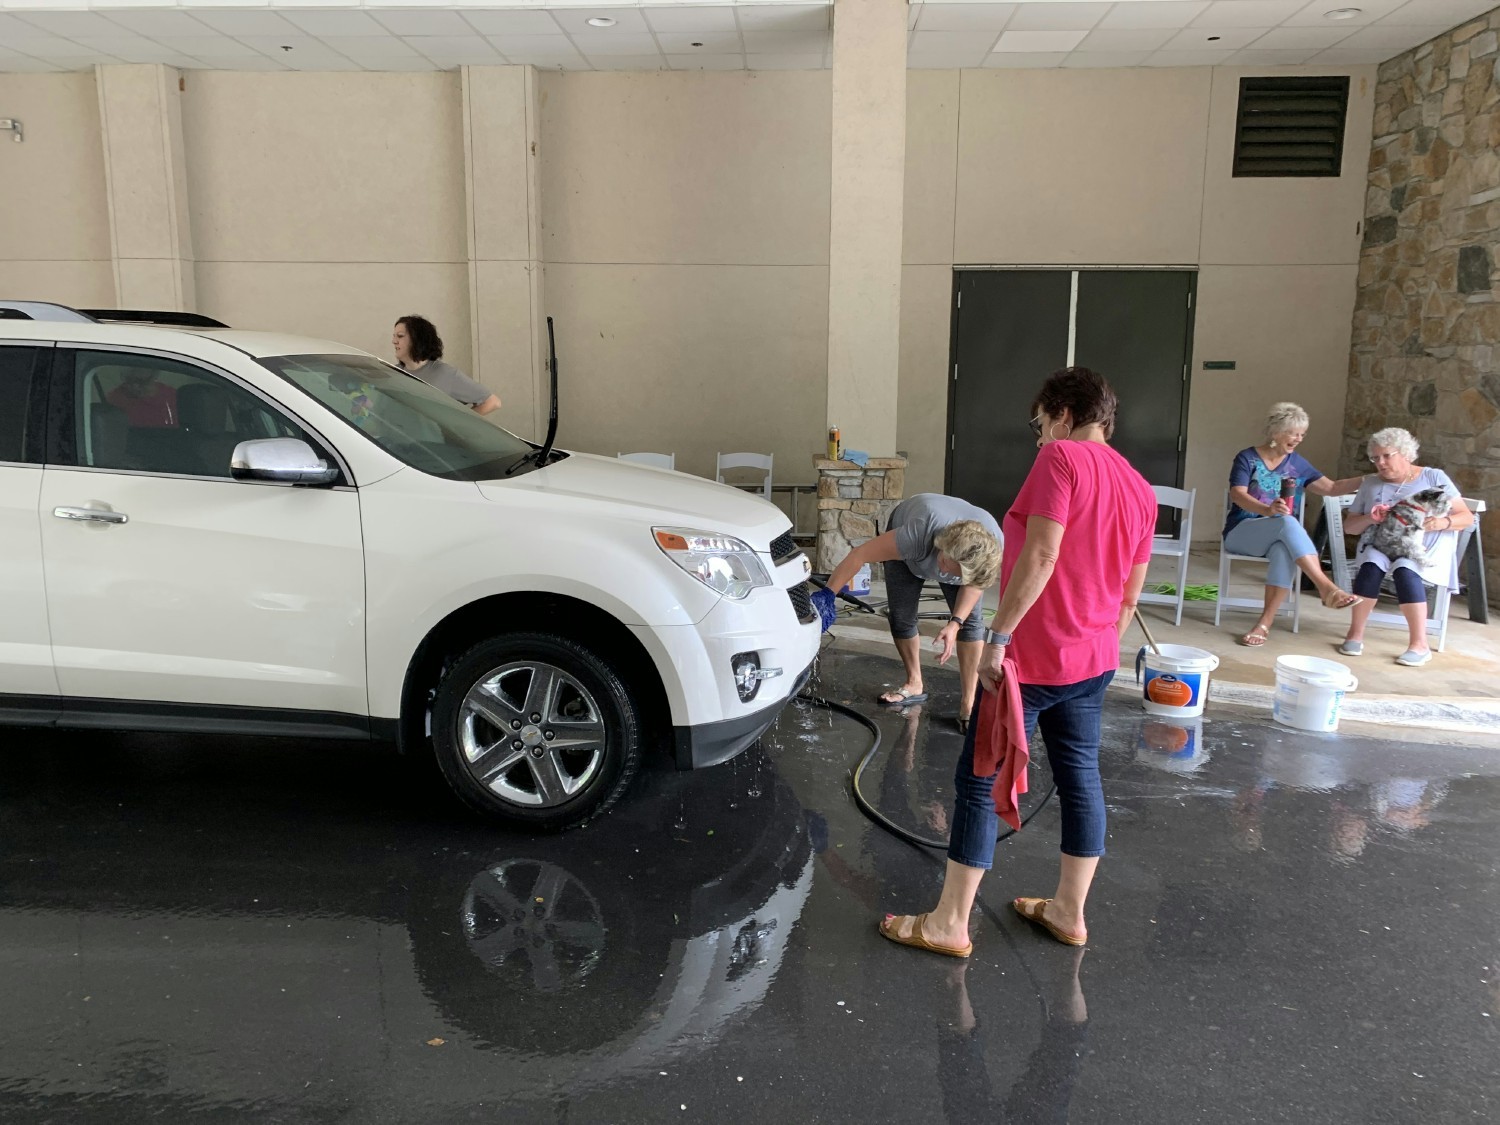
[1036, 426]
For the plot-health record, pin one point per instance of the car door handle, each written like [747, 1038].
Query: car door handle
[94, 515]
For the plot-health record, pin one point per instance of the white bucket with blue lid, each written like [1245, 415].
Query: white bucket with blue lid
[1175, 684]
[1310, 692]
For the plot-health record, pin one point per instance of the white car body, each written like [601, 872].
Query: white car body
[231, 605]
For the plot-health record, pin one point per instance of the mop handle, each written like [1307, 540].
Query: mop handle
[1150, 640]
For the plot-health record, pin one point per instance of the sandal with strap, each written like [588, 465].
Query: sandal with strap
[1034, 910]
[1255, 637]
[1338, 599]
[917, 939]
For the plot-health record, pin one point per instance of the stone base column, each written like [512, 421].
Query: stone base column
[854, 503]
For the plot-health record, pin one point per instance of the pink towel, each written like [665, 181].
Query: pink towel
[1000, 744]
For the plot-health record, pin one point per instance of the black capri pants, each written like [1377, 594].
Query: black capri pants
[903, 590]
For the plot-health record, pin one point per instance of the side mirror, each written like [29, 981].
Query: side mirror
[282, 460]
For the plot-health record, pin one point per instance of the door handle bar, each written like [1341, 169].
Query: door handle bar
[91, 515]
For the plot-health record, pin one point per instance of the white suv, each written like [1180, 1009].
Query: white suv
[217, 531]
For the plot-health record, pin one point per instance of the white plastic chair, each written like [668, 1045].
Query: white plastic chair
[1293, 603]
[1334, 508]
[746, 461]
[1174, 547]
[655, 460]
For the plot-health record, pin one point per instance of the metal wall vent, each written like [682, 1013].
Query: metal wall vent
[1291, 126]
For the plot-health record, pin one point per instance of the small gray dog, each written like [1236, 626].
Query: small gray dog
[1399, 536]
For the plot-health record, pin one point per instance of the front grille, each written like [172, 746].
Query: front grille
[783, 547]
[802, 604]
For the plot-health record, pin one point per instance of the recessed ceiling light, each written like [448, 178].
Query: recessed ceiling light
[601, 21]
[1343, 13]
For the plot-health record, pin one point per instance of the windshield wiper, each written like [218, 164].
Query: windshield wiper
[544, 451]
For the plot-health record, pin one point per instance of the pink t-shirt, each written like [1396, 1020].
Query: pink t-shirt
[1108, 513]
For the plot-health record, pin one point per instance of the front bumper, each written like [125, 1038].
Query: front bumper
[709, 744]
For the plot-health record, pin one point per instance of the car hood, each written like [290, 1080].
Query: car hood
[619, 488]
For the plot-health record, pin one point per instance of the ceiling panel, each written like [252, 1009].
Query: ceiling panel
[40, 35]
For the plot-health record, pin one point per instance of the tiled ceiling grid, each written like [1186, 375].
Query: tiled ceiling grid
[53, 35]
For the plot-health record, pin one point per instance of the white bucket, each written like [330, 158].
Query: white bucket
[1176, 680]
[1310, 692]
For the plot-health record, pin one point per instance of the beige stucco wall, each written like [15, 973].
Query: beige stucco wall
[54, 224]
[685, 230]
[1113, 167]
[684, 223]
[329, 204]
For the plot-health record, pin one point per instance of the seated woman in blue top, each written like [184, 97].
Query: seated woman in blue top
[1261, 523]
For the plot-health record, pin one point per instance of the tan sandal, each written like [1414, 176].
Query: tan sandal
[1338, 599]
[1256, 637]
[917, 939]
[1032, 909]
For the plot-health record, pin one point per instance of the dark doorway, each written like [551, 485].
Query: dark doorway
[1011, 328]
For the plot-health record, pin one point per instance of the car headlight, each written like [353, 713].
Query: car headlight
[723, 563]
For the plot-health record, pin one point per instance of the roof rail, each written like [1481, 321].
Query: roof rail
[144, 316]
[40, 310]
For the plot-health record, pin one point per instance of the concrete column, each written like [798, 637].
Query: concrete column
[145, 176]
[504, 215]
[864, 253]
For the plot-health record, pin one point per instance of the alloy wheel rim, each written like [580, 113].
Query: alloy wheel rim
[531, 734]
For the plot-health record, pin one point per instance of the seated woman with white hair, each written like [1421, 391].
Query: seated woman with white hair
[1396, 477]
[1261, 523]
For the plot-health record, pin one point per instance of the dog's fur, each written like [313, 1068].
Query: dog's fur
[1400, 535]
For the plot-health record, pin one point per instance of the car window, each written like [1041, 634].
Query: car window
[147, 414]
[406, 417]
[16, 367]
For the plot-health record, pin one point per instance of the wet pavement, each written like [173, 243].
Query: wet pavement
[1287, 927]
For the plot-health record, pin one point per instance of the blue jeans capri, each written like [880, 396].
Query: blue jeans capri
[1069, 715]
[1277, 539]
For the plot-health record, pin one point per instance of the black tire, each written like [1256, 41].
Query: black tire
[566, 766]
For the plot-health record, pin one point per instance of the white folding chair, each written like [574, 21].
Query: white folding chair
[1293, 603]
[746, 461]
[1442, 594]
[655, 460]
[1174, 547]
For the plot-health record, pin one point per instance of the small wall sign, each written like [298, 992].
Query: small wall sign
[1218, 365]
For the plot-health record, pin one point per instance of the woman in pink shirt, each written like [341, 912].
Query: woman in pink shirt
[1077, 541]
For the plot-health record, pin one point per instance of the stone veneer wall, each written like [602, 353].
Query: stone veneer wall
[853, 503]
[1426, 345]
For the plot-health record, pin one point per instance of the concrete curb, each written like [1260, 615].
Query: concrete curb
[1456, 714]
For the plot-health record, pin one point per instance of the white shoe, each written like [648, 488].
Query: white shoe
[1352, 648]
[1413, 658]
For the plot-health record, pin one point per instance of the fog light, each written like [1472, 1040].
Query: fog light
[746, 667]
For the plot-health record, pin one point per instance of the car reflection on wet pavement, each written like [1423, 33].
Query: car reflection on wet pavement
[1286, 925]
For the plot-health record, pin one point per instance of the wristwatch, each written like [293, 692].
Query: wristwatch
[993, 638]
[955, 619]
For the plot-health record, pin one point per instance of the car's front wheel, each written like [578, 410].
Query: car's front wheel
[535, 729]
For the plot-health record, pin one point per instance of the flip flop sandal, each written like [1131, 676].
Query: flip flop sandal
[917, 941]
[1255, 637]
[1031, 909]
[905, 698]
[1338, 599]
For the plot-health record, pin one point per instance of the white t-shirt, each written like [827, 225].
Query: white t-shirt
[1441, 546]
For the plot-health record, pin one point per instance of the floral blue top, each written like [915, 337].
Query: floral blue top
[1264, 483]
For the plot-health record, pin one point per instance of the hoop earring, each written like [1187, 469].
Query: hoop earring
[1052, 431]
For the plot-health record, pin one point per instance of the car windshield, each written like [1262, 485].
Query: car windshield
[406, 417]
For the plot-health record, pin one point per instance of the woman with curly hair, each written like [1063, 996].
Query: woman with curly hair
[419, 349]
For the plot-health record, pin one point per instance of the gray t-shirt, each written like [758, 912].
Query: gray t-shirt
[918, 519]
[452, 382]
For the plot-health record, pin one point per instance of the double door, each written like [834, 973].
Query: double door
[1013, 328]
